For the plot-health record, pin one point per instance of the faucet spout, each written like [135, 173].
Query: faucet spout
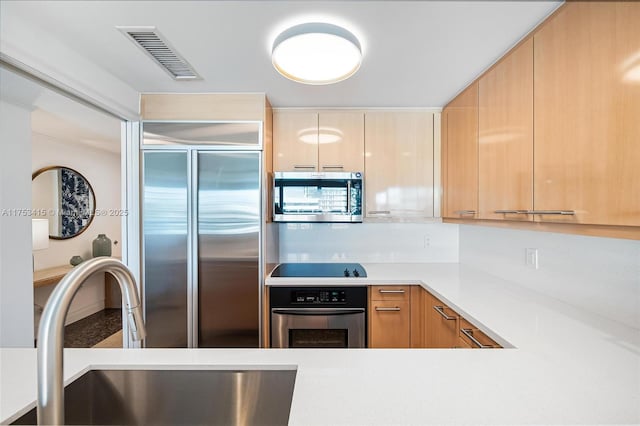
[51, 333]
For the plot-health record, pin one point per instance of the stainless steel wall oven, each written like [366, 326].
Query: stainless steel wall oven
[318, 317]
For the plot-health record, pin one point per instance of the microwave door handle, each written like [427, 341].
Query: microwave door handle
[349, 197]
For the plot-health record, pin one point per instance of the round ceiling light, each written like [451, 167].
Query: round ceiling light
[316, 53]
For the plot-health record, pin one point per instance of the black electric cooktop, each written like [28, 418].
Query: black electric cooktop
[319, 270]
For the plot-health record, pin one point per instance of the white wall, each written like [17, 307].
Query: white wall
[369, 242]
[600, 275]
[16, 274]
[102, 170]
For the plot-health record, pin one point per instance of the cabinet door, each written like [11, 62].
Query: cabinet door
[341, 141]
[389, 324]
[587, 114]
[399, 164]
[439, 332]
[505, 139]
[295, 141]
[460, 155]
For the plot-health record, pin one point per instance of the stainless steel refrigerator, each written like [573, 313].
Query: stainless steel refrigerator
[201, 221]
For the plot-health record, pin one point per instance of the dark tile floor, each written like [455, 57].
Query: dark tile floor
[93, 329]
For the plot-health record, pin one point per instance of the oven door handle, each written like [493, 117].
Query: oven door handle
[317, 311]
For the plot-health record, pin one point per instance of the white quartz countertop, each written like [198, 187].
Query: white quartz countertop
[567, 366]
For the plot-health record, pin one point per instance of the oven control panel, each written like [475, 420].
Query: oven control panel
[318, 296]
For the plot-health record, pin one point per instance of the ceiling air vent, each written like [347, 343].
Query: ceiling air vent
[154, 45]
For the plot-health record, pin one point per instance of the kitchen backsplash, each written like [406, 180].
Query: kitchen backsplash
[601, 275]
[369, 242]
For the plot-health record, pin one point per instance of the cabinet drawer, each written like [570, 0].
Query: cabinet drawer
[475, 338]
[390, 292]
[463, 344]
[389, 323]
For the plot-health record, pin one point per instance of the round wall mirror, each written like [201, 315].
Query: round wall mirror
[64, 197]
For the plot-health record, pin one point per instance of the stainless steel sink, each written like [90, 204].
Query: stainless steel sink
[177, 397]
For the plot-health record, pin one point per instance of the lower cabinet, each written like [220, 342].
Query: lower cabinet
[475, 338]
[441, 323]
[389, 316]
[411, 317]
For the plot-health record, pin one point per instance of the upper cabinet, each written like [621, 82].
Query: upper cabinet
[325, 141]
[295, 141]
[460, 155]
[551, 133]
[587, 114]
[505, 136]
[399, 159]
[341, 141]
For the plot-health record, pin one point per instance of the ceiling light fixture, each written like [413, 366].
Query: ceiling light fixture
[316, 53]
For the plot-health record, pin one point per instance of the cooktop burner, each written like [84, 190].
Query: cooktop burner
[319, 270]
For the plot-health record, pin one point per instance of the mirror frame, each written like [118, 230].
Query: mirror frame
[93, 192]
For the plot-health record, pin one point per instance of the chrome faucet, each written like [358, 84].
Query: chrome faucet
[51, 333]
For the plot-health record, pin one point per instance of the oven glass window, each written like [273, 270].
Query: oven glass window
[318, 338]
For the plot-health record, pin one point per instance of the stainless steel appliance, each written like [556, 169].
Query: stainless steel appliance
[318, 316]
[317, 197]
[202, 226]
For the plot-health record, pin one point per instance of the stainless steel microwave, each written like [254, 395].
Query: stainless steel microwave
[317, 197]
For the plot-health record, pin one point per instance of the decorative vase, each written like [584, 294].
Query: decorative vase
[101, 246]
[76, 260]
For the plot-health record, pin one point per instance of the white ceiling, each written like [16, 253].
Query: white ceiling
[416, 53]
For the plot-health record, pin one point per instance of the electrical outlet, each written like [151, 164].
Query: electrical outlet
[427, 241]
[531, 257]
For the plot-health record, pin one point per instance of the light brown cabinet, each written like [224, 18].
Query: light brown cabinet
[389, 317]
[558, 128]
[474, 338]
[399, 158]
[587, 114]
[460, 155]
[326, 141]
[411, 317]
[505, 137]
[295, 141]
[441, 323]
[341, 141]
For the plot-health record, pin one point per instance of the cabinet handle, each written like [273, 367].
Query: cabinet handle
[469, 333]
[391, 291]
[561, 212]
[464, 212]
[333, 167]
[396, 309]
[440, 310]
[379, 212]
[302, 166]
[511, 211]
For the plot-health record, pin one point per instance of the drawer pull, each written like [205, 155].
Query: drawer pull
[440, 310]
[333, 167]
[379, 212]
[464, 212]
[391, 291]
[469, 333]
[511, 211]
[560, 212]
[302, 166]
[396, 309]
